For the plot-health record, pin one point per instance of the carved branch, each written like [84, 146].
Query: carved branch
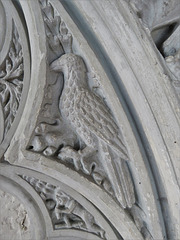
[65, 212]
[59, 38]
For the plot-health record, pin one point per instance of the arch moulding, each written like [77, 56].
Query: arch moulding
[89, 120]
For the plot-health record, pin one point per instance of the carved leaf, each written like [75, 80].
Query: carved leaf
[59, 38]
[11, 82]
[65, 212]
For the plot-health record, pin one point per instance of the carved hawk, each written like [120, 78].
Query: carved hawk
[91, 120]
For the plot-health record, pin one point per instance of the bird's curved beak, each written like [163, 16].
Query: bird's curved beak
[56, 66]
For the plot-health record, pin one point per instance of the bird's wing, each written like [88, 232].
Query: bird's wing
[119, 177]
[1, 123]
[94, 114]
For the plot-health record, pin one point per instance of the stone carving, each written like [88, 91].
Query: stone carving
[65, 212]
[162, 19]
[59, 37]
[14, 220]
[171, 51]
[11, 83]
[75, 126]
[89, 117]
[172, 45]
[96, 148]
[52, 132]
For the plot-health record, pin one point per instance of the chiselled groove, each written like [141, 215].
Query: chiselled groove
[65, 212]
[11, 83]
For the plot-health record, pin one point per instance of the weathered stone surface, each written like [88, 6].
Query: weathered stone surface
[90, 124]
[14, 219]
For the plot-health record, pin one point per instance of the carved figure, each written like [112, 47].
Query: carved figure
[90, 119]
[52, 132]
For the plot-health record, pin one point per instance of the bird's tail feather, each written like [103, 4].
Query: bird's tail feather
[126, 182]
[119, 176]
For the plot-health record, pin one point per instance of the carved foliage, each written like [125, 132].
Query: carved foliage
[11, 83]
[59, 37]
[65, 212]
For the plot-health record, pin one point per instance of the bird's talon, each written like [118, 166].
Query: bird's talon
[69, 152]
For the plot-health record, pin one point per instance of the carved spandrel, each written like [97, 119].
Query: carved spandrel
[65, 212]
[11, 83]
[52, 132]
[95, 132]
[89, 141]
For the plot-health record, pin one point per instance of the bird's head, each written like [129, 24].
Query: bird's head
[66, 61]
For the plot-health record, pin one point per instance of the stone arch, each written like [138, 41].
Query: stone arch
[126, 71]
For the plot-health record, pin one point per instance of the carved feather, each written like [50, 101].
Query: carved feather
[1, 123]
[100, 122]
[91, 119]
